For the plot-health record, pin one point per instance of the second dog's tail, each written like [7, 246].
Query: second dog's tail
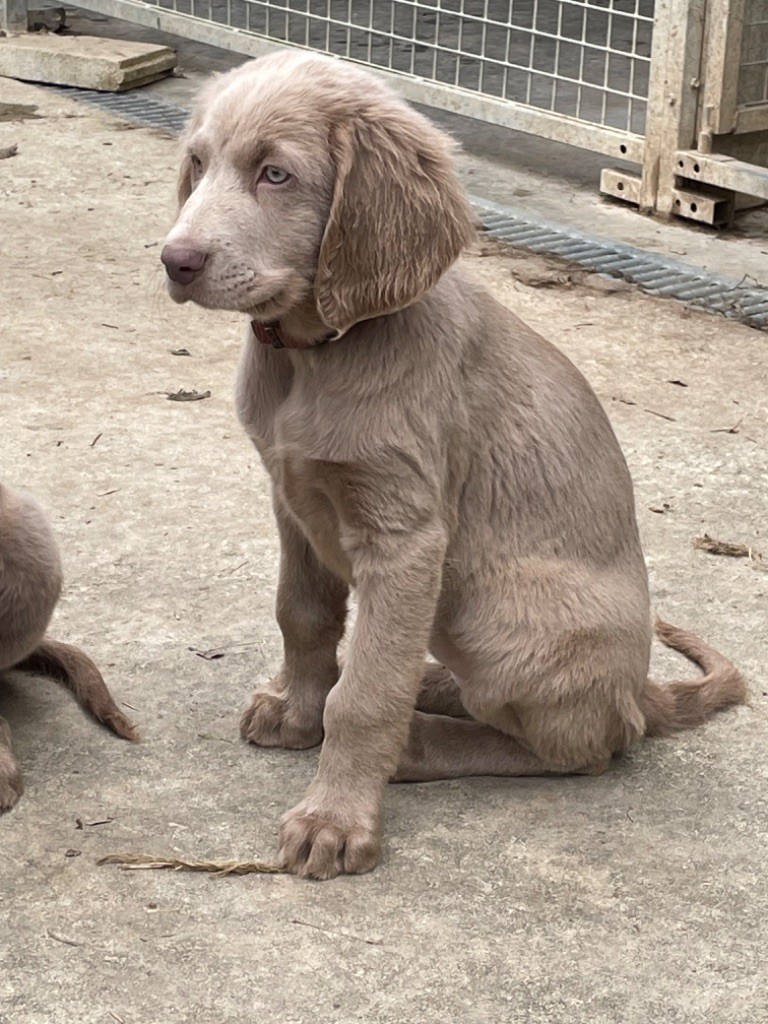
[72, 667]
[669, 709]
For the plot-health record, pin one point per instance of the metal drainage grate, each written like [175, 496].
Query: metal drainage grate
[141, 109]
[653, 273]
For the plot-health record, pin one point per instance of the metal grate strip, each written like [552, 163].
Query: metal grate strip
[653, 273]
[648, 270]
[136, 107]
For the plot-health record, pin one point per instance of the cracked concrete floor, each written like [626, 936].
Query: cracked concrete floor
[632, 897]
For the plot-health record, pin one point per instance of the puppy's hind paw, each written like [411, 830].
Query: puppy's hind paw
[10, 791]
[11, 783]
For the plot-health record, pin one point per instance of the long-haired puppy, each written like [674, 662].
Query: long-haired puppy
[30, 585]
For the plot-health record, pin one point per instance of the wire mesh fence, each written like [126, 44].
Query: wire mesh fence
[587, 59]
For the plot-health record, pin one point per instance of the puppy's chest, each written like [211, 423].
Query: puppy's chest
[285, 422]
[309, 495]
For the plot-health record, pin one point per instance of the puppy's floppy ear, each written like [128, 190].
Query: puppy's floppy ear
[184, 185]
[399, 217]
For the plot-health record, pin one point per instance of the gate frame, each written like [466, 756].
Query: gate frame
[692, 109]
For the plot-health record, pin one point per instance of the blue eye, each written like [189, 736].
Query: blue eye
[274, 175]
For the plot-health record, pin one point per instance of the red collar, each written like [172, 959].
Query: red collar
[274, 335]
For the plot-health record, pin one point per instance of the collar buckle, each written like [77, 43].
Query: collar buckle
[273, 337]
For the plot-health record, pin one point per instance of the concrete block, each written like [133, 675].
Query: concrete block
[88, 62]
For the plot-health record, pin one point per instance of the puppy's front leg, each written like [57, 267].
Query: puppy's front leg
[311, 612]
[337, 826]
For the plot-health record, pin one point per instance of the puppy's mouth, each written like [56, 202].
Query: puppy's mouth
[179, 293]
[215, 295]
[266, 301]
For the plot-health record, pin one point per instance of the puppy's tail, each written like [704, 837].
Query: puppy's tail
[71, 666]
[669, 709]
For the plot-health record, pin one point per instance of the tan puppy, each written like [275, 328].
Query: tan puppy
[30, 584]
[427, 448]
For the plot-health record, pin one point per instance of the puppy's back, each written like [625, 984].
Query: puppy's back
[30, 575]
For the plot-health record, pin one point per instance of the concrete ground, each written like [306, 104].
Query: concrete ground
[637, 896]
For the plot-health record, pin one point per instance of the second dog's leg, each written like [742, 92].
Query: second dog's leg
[311, 611]
[11, 785]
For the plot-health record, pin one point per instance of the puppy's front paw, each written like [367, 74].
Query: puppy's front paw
[10, 791]
[271, 720]
[11, 784]
[321, 846]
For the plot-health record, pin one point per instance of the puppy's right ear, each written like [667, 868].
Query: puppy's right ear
[184, 186]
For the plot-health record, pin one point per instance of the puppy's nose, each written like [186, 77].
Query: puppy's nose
[182, 263]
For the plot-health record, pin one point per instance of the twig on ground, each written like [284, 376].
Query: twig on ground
[661, 415]
[63, 939]
[343, 935]
[728, 430]
[220, 868]
[185, 396]
[724, 547]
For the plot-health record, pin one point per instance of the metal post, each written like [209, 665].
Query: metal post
[13, 16]
[673, 98]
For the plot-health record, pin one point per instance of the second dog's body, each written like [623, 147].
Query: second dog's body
[30, 585]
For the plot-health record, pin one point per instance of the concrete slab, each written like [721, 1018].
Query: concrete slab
[88, 62]
[638, 896]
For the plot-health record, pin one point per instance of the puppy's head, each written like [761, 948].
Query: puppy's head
[305, 180]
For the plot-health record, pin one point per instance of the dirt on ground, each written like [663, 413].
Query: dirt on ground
[636, 896]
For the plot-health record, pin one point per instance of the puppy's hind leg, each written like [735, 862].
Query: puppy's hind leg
[439, 694]
[440, 747]
[11, 785]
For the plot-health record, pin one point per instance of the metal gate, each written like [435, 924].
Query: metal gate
[678, 87]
